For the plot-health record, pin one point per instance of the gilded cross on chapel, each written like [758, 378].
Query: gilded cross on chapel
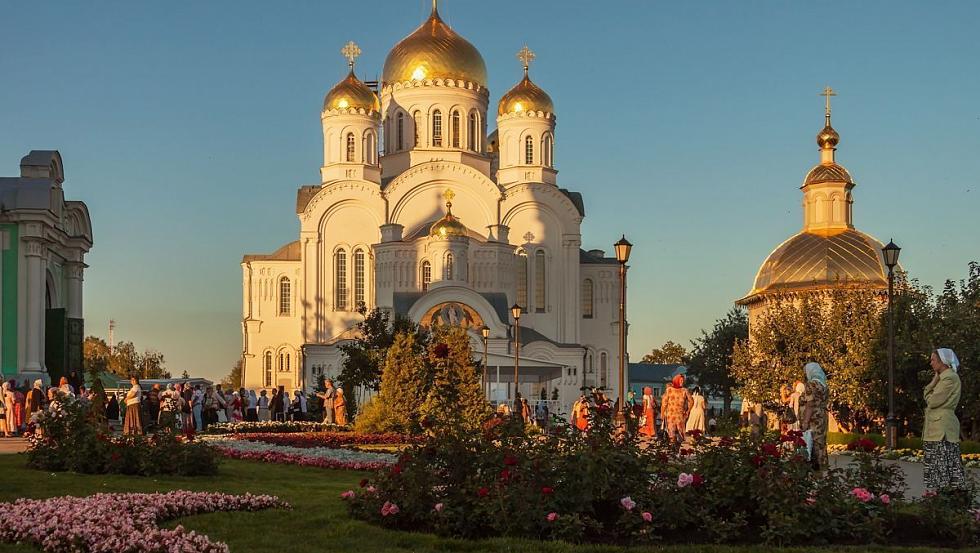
[449, 195]
[351, 51]
[827, 93]
[526, 56]
[528, 237]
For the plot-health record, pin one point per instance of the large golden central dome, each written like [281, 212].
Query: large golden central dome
[434, 51]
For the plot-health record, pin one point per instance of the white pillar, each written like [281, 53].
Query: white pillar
[34, 358]
[73, 278]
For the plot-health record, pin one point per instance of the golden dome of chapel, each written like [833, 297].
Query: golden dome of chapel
[434, 51]
[829, 252]
[525, 97]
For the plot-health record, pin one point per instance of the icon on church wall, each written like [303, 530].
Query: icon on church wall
[452, 314]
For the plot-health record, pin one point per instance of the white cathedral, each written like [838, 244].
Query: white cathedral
[421, 213]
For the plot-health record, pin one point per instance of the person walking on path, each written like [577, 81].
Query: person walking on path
[263, 404]
[134, 416]
[648, 424]
[942, 463]
[251, 407]
[8, 421]
[197, 407]
[35, 399]
[695, 421]
[815, 419]
[340, 408]
[675, 408]
[329, 397]
[153, 404]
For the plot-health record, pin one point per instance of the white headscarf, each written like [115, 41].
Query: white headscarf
[815, 372]
[949, 359]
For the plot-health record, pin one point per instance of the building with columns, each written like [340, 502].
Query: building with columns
[829, 252]
[43, 242]
[421, 211]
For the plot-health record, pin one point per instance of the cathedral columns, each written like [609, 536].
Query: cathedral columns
[34, 250]
[74, 271]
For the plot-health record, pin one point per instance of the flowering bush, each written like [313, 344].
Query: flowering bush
[274, 426]
[599, 486]
[68, 438]
[324, 457]
[327, 439]
[111, 523]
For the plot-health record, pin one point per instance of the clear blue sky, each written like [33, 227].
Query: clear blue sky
[187, 126]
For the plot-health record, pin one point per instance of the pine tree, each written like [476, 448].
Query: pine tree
[455, 401]
[405, 380]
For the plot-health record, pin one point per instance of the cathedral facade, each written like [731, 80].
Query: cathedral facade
[421, 212]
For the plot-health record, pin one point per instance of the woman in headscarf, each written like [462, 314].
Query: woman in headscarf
[133, 423]
[814, 420]
[695, 421]
[65, 387]
[251, 407]
[794, 403]
[340, 408]
[9, 421]
[35, 400]
[169, 408]
[941, 429]
[649, 426]
[675, 408]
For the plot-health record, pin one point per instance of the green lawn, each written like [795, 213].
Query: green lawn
[317, 522]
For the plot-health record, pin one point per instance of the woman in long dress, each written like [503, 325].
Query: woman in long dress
[649, 426]
[9, 421]
[815, 418]
[794, 403]
[133, 424]
[340, 408]
[675, 408]
[695, 421]
[580, 413]
[941, 431]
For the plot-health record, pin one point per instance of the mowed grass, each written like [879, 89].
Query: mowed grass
[318, 520]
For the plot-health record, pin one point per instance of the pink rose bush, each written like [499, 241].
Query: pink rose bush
[862, 495]
[111, 523]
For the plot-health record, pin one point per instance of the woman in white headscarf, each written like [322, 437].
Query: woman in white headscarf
[941, 429]
[814, 420]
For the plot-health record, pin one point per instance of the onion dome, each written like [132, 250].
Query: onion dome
[525, 96]
[351, 93]
[828, 170]
[449, 225]
[828, 137]
[434, 51]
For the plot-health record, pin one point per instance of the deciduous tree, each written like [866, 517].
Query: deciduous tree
[668, 353]
[710, 362]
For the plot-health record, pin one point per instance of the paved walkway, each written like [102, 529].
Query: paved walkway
[914, 478]
[12, 445]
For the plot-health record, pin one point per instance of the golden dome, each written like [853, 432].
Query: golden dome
[828, 137]
[828, 172]
[434, 51]
[351, 93]
[810, 261]
[524, 97]
[449, 225]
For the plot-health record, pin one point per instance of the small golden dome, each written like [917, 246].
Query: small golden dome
[828, 137]
[828, 172]
[525, 97]
[351, 93]
[434, 51]
[449, 225]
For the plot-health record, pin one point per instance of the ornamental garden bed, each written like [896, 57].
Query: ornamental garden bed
[328, 439]
[278, 427]
[324, 457]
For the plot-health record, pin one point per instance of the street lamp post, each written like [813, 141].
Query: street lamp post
[515, 311]
[890, 253]
[623, 248]
[485, 332]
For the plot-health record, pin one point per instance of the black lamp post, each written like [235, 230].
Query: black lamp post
[623, 248]
[890, 253]
[515, 311]
[485, 332]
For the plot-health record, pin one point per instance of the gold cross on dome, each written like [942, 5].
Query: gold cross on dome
[526, 56]
[528, 237]
[449, 195]
[827, 93]
[350, 51]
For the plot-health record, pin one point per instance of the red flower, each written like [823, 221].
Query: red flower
[547, 490]
[757, 460]
[364, 482]
[771, 450]
[505, 475]
[510, 460]
[862, 444]
[397, 469]
[685, 451]
[697, 480]
[482, 492]
[726, 441]
[441, 351]
[694, 433]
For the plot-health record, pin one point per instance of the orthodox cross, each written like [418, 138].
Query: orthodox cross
[528, 237]
[350, 51]
[449, 195]
[827, 93]
[526, 56]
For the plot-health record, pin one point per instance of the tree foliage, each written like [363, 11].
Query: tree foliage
[405, 381]
[233, 380]
[710, 360]
[124, 360]
[364, 357]
[455, 400]
[668, 353]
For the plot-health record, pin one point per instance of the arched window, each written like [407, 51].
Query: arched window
[449, 267]
[520, 278]
[267, 369]
[547, 150]
[285, 293]
[587, 295]
[283, 362]
[539, 281]
[400, 132]
[359, 280]
[369, 149]
[417, 119]
[350, 146]
[471, 134]
[454, 128]
[603, 370]
[340, 280]
[528, 150]
[437, 128]
[426, 275]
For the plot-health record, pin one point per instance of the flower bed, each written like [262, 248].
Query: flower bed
[113, 523]
[970, 460]
[327, 439]
[324, 457]
[277, 427]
